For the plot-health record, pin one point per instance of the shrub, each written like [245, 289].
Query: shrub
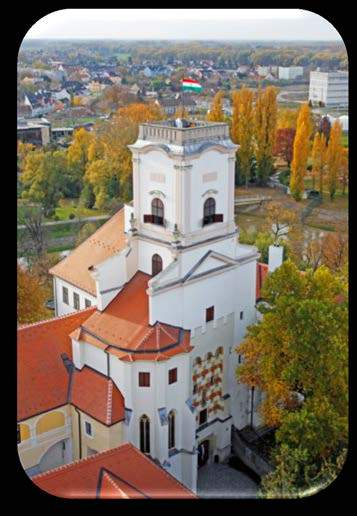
[72, 216]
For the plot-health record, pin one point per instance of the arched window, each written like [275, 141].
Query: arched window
[145, 434]
[156, 264]
[209, 211]
[171, 421]
[157, 211]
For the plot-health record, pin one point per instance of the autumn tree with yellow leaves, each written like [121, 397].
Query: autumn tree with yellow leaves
[318, 161]
[301, 152]
[242, 130]
[216, 113]
[31, 297]
[334, 156]
[265, 131]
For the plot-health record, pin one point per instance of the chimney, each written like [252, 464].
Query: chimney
[275, 257]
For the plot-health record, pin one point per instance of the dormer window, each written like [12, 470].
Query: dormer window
[157, 213]
[209, 212]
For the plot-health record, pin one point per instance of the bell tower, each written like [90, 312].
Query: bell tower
[183, 179]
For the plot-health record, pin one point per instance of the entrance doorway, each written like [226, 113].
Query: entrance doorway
[203, 452]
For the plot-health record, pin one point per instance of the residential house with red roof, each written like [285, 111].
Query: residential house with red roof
[171, 292]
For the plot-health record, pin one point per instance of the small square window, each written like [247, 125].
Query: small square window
[173, 375]
[203, 416]
[210, 313]
[241, 315]
[87, 303]
[88, 428]
[65, 295]
[144, 379]
[75, 301]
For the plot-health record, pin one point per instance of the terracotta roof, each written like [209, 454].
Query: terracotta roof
[108, 240]
[123, 327]
[97, 396]
[262, 271]
[122, 472]
[42, 379]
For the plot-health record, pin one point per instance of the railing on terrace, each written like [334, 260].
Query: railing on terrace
[169, 132]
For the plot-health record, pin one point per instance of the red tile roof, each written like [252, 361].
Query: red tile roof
[42, 379]
[108, 240]
[122, 472]
[262, 271]
[97, 396]
[123, 328]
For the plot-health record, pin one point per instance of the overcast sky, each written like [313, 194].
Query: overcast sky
[240, 24]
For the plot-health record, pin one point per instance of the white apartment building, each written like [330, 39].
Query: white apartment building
[329, 88]
[290, 72]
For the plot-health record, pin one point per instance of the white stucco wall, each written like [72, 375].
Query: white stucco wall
[61, 307]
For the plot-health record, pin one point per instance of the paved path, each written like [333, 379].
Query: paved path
[222, 481]
[71, 221]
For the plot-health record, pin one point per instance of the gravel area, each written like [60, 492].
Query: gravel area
[222, 481]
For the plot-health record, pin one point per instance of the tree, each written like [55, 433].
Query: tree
[78, 153]
[344, 170]
[300, 151]
[43, 178]
[98, 174]
[33, 244]
[287, 118]
[284, 144]
[242, 129]
[333, 158]
[31, 298]
[181, 112]
[280, 221]
[299, 162]
[298, 356]
[265, 131]
[325, 127]
[216, 113]
[87, 198]
[318, 160]
[335, 251]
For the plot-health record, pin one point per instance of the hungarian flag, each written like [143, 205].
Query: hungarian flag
[190, 84]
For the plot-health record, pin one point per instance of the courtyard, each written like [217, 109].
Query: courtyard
[223, 481]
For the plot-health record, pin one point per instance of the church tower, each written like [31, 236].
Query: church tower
[183, 175]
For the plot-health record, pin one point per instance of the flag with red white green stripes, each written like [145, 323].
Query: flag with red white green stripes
[191, 85]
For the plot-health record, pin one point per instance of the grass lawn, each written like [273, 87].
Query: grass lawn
[68, 206]
[63, 211]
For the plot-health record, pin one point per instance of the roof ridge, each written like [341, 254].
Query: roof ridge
[110, 479]
[57, 318]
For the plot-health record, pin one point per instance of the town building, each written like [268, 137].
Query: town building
[164, 293]
[171, 104]
[290, 72]
[36, 131]
[329, 88]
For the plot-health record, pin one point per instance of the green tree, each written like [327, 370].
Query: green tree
[298, 356]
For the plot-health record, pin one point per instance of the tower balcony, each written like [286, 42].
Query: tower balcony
[183, 132]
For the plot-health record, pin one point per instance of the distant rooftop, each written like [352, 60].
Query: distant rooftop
[181, 131]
